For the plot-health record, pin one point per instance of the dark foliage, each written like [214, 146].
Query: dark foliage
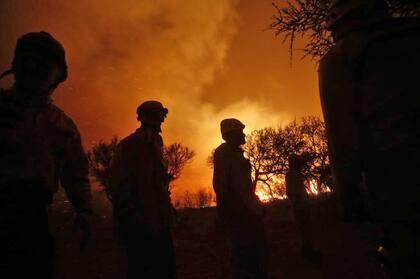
[101, 154]
[307, 19]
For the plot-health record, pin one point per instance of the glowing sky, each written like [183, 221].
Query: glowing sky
[205, 60]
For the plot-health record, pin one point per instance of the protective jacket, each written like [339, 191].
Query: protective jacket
[232, 182]
[41, 145]
[139, 181]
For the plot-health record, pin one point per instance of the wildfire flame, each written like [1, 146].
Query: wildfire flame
[265, 196]
[313, 189]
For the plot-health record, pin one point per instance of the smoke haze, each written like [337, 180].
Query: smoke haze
[205, 60]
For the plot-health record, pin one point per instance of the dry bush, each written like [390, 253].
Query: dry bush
[204, 197]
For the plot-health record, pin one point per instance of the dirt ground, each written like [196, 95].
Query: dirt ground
[202, 250]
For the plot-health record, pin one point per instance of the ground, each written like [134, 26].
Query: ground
[202, 250]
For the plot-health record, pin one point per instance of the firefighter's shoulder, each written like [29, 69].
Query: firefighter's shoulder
[222, 151]
[131, 144]
[60, 122]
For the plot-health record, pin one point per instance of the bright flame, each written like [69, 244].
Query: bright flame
[263, 196]
[313, 189]
[266, 197]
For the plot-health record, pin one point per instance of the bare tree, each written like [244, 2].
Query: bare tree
[210, 158]
[177, 157]
[304, 18]
[269, 149]
[203, 197]
[262, 154]
[187, 200]
[308, 139]
[307, 18]
[260, 150]
[318, 165]
[101, 154]
[100, 157]
[289, 141]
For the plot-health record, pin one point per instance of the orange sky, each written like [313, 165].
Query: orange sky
[205, 60]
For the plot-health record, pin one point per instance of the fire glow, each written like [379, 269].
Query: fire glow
[205, 60]
[265, 196]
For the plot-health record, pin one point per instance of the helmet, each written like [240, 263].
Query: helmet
[340, 9]
[151, 106]
[230, 124]
[43, 44]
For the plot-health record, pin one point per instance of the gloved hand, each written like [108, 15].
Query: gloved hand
[83, 226]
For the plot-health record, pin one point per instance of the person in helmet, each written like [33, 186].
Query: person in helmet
[238, 207]
[40, 149]
[298, 197]
[141, 198]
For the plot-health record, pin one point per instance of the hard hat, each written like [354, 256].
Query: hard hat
[44, 45]
[151, 106]
[231, 124]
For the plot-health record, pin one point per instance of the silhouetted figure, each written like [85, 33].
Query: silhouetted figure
[296, 192]
[368, 84]
[239, 208]
[142, 206]
[40, 148]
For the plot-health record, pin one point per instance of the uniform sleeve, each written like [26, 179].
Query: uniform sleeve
[120, 182]
[220, 175]
[74, 176]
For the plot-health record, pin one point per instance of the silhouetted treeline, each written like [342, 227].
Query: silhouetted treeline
[100, 156]
[268, 150]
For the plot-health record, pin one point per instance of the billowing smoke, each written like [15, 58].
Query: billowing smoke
[121, 53]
